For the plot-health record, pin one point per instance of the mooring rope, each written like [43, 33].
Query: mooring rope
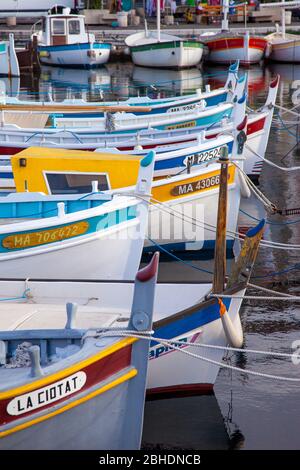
[282, 168]
[172, 344]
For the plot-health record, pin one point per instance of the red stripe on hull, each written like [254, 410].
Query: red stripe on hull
[252, 127]
[179, 390]
[226, 43]
[236, 43]
[96, 373]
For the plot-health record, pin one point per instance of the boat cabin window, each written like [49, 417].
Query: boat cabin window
[58, 27]
[75, 183]
[74, 27]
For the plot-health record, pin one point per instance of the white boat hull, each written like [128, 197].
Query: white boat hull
[75, 55]
[286, 51]
[176, 55]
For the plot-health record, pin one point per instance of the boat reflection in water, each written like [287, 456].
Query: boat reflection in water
[172, 81]
[258, 79]
[66, 83]
[189, 422]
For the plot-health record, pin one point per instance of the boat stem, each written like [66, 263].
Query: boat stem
[220, 245]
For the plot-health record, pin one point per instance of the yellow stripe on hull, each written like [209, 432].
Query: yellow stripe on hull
[68, 371]
[165, 192]
[129, 375]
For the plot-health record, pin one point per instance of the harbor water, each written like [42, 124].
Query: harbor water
[247, 411]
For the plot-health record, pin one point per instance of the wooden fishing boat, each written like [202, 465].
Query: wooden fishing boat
[190, 194]
[135, 105]
[114, 121]
[45, 234]
[156, 49]
[283, 47]
[164, 142]
[70, 378]
[63, 41]
[9, 64]
[228, 46]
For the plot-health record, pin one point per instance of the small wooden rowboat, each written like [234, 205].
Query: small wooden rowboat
[190, 194]
[13, 138]
[75, 234]
[135, 105]
[66, 387]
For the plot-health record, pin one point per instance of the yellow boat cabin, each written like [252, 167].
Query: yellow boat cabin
[59, 171]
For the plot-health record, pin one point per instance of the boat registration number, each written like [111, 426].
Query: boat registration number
[194, 186]
[202, 157]
[186, 107]
[182, 125]
[29, 239]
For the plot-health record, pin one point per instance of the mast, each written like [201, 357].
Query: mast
[220, 245]
[158, 19]
[283, 21]
[225, 9]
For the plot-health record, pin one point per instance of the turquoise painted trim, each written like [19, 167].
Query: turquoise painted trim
[75, 47]
[96, 224]
[148, 159]
[44, 209]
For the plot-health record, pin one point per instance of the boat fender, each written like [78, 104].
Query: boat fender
[268, 50]
[233, 335]
[245, 190]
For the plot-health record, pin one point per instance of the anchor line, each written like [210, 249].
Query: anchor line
[177, 345]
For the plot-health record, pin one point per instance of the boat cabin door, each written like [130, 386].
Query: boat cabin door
[58, 31]
[67, 30]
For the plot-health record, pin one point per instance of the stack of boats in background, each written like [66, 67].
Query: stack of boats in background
[72, 237]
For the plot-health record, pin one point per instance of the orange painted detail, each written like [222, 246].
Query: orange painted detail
[30, 239]
[222, 308]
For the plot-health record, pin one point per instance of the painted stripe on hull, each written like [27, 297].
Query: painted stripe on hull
[179, 391]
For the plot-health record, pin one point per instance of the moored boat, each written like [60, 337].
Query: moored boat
[9, 64]
[63, 41]
[69, 378]
[72, 234]
[283, 47]
[135, 105]
[156, 49]
[14, 138]
[227, 46]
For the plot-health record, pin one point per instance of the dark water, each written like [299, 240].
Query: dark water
[246, 412]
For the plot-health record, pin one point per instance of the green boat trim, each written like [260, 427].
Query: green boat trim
[166, 45]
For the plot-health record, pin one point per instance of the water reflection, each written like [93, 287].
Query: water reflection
[193, 423]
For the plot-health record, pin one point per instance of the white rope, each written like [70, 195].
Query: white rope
[259, 194]
[133, 333]
[212, 228]
[164, 207]
[254, 286]
[170, 343]
[282, 168]
[255, 297]
[286, 110]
